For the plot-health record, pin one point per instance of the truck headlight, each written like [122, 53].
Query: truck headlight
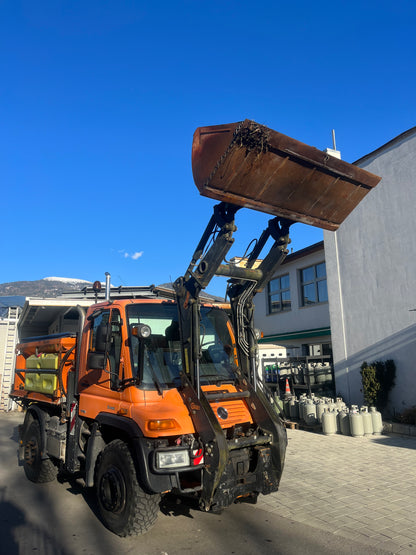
[172, 459]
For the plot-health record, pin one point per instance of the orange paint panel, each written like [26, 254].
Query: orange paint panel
[238, 413]
[237, 410]
[142, 407]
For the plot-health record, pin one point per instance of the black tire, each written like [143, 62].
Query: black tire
[124, 507]
[37, 470]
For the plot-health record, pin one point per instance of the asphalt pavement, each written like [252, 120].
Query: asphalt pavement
[338, 494]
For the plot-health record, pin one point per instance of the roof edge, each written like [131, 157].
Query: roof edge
[390, 143]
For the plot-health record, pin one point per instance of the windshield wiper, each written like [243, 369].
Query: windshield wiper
[155, 379]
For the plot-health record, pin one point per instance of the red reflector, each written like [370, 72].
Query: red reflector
[197, 457]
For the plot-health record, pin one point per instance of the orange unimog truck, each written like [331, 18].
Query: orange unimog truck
[156, 395]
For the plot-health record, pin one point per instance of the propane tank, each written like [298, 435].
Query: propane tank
[310, 372]
[286, 406]
[344, 422]
[320, 409]
[293, 408]
[302, 402]
[356, 422]
[331, 404]
[367, 421]
[329, 423]
[309, 412]
[377, 421]
[320, 373]
[339, 403]
[337, 422]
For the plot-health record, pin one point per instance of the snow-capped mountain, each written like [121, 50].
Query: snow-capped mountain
[67, 280]
[47, 287]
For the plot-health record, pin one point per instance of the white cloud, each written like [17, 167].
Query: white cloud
[134, 256]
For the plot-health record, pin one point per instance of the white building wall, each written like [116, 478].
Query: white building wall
[371, 273]
[299, 318]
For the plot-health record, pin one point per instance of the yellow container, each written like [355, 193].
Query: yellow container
[49, 361]
[33, 362]
[41, 382]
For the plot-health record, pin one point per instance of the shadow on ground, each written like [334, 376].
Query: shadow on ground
[404, 442]
[20, 537]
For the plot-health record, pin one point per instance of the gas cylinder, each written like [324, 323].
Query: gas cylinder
[338, 423]
[339, 403]
[320, 373]
[331, 404]
[344, 422]
[286, 406]
[367, 421]
[356, 422]
[377, 421]
[293, 409]
[309, 412]
[320, 409]
[329, 424]
[302, 402]
[310, 375]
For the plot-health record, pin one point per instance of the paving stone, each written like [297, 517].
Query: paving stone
[364, 487]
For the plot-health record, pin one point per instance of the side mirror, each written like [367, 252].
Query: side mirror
[101, 338]
[97, 358]
[96, 361]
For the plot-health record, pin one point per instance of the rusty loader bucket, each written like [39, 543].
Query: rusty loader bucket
[250, 165]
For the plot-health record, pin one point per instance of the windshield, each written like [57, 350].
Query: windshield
[162, 357]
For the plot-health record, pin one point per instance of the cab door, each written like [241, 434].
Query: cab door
[99, 384]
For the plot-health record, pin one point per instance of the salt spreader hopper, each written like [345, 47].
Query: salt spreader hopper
[250, 165]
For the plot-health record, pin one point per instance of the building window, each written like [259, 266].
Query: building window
[279, 294]
[313, 285]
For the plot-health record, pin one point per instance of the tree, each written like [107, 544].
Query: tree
[377, 379]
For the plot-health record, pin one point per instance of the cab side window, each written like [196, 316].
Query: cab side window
[114, 351]
[105, 345]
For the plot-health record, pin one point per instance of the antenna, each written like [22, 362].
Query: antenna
[333, 151]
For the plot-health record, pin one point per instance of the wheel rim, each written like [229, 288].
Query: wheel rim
[113, 490]
[31, 451]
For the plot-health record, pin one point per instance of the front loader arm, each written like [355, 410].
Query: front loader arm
[242, 291]
[245, 282]
[200, 272]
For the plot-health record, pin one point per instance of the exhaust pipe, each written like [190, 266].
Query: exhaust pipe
[107, 286]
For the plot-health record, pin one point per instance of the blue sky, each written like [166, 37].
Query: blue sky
[100, 99]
